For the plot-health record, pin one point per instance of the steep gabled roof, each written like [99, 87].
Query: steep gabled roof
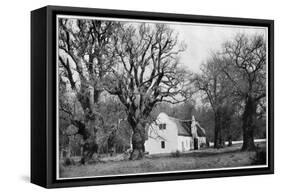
[200, 131]
[184, 127]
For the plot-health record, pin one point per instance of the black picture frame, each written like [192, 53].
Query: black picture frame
[43, 96]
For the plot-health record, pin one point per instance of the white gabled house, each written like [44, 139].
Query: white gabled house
[169, 134]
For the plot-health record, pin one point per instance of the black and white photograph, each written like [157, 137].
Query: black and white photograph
[149, 97]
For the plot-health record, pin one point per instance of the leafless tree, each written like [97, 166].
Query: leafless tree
[213, 82]
[85, 59]
[245, 67]
[148, 72]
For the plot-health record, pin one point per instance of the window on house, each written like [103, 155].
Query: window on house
[162, 126]
[163, 144]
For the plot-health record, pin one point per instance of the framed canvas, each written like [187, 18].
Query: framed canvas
[126, 96]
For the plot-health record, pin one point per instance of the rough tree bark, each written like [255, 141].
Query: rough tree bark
[218, 136]
[248, 124]
[89, 145]
[229, 141]
[138, 139]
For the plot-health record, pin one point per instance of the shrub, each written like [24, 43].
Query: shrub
[68, 162]
[94, 159]
[176, 154]
[260, 157]
[203, 145]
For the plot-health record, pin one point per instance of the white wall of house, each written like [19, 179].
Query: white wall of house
[185, 143]
[167, 140]
[156, 136]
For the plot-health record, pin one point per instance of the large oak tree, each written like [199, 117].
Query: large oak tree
[84, 60]
[147, 72]
[245, 67]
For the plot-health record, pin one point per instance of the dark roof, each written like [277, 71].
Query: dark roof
[184, 128]
[200, 131]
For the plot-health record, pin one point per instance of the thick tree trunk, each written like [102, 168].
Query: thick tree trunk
[68, 153]
[221, 140]
[248, 124]
[230, 141]
[138, 146]
[89, 145]
[216, 133]
[88, 98]
[138, 139]
[218, 139]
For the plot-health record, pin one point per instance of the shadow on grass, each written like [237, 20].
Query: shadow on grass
[208, 153]
[201, 153]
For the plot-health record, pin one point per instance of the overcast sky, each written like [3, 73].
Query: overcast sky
[202, 39]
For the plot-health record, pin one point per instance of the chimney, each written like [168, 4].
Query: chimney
[193, 127]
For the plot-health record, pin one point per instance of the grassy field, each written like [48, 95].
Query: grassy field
[199, 159]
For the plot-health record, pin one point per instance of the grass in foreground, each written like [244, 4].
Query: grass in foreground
[200, 159]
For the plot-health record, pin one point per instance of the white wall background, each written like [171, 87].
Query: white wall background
[15, 95]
